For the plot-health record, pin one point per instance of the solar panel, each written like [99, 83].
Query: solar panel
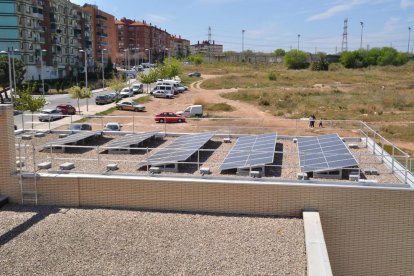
[251, 151]
[74, 138]
[180, 150]
[130, 139]
[324, 153]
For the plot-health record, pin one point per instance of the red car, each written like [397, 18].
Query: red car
[66, 109]
[169, 117]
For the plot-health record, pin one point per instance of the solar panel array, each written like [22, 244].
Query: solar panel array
[180, 150]
[131, 139]
[251, 151]
[324, 153]
[74, 138]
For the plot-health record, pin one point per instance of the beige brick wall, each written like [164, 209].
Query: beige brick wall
[368, 231]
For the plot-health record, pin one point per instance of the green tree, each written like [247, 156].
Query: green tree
[116, 84]
[279, 52]
[4, 75]
[197, 59]
[296, 59]
[27, 102]
[171, 68]
[76, 92]
[149, 78]
[109, 69]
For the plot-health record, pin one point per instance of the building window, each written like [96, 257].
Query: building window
[31, 59]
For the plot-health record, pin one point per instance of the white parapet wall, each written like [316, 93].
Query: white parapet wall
[316, 251]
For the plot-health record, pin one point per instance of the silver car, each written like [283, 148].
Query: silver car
[132, 106]
[48, 115]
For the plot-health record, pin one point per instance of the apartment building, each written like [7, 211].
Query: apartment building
[104, 33]
[207, 48]
[142, 38]
[54, 30]
[180, 47]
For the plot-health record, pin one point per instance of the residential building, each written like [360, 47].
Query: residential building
[207, 48]
[104, 33]
[180, 47]
[141, 39]
[58, 27]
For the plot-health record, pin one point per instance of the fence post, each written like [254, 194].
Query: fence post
[373, 144]
[71, 119]
[198, 160]
[382, 150]
[406, 169]
[99, 161]
[392, 159]
[23, 121]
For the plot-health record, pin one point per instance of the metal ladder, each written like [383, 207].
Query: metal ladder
[28, 182]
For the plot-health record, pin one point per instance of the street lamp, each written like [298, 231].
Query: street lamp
[126, 56]
[14, 51]
[10, 74]
[86, 74]
[149, 55]
[409, 39]
[41, 71]
[298, 41]
[362, 30]
[103, 70]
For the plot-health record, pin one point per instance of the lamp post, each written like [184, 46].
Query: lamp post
[409, 39]
[362, 30]
[14, 68]
[135, 56]
[149, 55]
[298, 41]
[86, 74]
[41, 71]
[103, 70]
[10, 75]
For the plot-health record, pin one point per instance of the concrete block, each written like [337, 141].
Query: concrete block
[302, 176]
[354, 177]
[26, 137]
[256, 174]
[204, 170]
[112, 167]
[295, 140]
[226, 140]
[63, 135]
[44, 165]
[155, 170]
[67, 166]
[40, 134]
[368, 181]
[371, 172]
[353, 146]
[19, 163]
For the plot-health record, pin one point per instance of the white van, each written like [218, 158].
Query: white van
[192, 111]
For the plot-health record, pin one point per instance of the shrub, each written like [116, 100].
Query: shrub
[296, 59]
[335, 67]
[272, 76]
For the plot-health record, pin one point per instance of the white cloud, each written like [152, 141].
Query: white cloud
[405, 4]
[338, 8]
[156, 18]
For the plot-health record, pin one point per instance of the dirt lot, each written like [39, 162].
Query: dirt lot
[58, 241]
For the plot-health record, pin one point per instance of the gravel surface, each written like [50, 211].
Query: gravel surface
[57, 241]
[285, 166]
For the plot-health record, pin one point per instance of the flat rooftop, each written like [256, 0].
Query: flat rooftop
[285, 166]
[52, 240]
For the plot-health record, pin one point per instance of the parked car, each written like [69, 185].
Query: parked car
[126, 92]
[162, 94]
[132, 106]
[114, 96]
[137, 88]
[113, 126]
[76, 127]
[195, 74]
[169, 117]
[170, 89]
[192, 111]
[103, 99]
[66, 109]
[48, 115]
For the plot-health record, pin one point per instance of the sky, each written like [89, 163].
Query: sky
[273, 24]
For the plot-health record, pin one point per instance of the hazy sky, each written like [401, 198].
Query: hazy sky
[272, 24]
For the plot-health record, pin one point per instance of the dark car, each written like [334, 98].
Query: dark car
[169, 117]
[66, 109]
[103, 99]
[76, 127]
[195, 74]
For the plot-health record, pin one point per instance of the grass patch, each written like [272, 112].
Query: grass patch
[142, 100]
[106, 112]
[214, 107]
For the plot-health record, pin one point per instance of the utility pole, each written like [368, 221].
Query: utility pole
[243, 31]
[209, 44]
[409, 39]
[298, 41]
[344, 47]
[362, 30]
